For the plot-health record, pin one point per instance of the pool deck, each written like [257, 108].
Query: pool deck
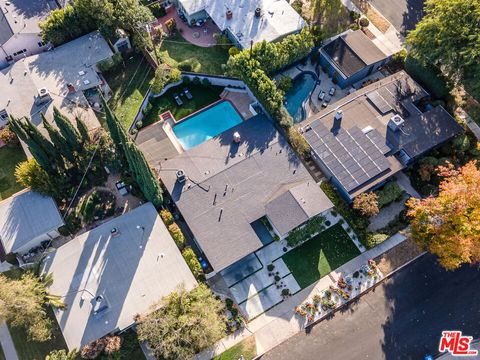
[240, 100]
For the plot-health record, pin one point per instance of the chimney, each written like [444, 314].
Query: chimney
[100, 305]
[180, 176]
[229, 14]
[258, 12]
[71, 88]
[339, 115]
[236, 137]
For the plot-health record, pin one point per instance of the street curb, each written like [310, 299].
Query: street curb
[309, 326]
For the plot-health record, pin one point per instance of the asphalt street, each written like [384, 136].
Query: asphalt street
[401, 319]
[403, 14]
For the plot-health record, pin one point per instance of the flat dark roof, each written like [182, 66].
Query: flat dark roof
[352, 52]
[229, 186]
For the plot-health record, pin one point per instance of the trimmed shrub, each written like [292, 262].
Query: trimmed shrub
[270, 267]
[206, 82]
[228, 303]
[277, 278]
[167, 217]
[363, 22]
[139, 124]
[367, 204]
[194, 264]
[177, 235]
[391, 192]
[298, 142]
[375, 239]
[158, 10]
[196, 80]
[191, 64]
[299, 235]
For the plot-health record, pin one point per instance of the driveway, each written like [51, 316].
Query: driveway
[402, 319]
[403, 14]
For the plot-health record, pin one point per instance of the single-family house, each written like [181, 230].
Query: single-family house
[26, 219]
[56, 78]
[229, 185]
[19, 28]
[110, 274]
[245, 21]
[351, 57]
[375, 132]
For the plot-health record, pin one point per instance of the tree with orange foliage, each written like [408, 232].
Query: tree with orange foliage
[449, 225]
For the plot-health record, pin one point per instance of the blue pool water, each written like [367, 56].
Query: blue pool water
[301, 89]
[206, 124]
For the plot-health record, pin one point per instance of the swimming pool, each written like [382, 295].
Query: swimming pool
[206, 124]
[302, 86]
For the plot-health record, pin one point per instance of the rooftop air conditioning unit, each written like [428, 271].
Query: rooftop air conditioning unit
[395, 122]
[43, 96]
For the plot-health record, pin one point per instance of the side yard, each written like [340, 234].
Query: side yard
[9, 158]
[320, 255]
[129, 81]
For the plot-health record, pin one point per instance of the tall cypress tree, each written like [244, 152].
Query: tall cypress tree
[82, 129]
[141, 171]
[58, 141]
[67, 130]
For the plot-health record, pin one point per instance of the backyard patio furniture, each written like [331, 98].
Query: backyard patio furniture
[332, 91]
[187, 94]
[326, 101]
[321, 95]
[178, 100]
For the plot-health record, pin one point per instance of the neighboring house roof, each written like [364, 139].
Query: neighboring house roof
[229, 186]
[22, 16]
[360, 149]
[132, 271]
[25, 216]
[53, 70]
[352, 52]
[297, 205]
[278, 18]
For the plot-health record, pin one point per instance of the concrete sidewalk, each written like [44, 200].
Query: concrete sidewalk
[279, 323]
[7, 343]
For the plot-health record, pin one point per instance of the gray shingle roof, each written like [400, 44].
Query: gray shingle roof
[297, 205]
[132, 270]
[25, 216]
[230, 185]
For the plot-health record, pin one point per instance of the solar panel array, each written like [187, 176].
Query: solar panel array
[378, 140]
[351, 156]
[379, 101]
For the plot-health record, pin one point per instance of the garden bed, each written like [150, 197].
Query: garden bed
[9, 158]
[320, 255]
[202, 96]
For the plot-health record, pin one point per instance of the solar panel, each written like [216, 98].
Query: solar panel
[353, 157]
[379, 141]
[379, 102]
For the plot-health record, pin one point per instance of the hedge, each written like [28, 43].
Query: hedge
[167, 217]
[177, 235]
[391, 192]
[312, 227]
[193, 263]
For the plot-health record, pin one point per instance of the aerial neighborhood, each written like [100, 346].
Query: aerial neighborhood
[218, 179]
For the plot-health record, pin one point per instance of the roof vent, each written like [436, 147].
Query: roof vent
[229, 14]
[71, 88]
[236, 137]
[181, 177]
[100, 305]
[258, 12]
[395, 122]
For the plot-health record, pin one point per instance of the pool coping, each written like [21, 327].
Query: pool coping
[317, 79]
[168, 124]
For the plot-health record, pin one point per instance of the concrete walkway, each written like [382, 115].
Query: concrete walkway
[406, 185]
[7, 342]
[279, 323]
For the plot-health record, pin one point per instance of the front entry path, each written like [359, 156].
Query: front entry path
[7, 343]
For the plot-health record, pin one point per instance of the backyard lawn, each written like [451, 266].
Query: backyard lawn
[210, 59]
[32, 350]
[9, 158]
[202, 96]
[246, 348]
[129, 85]
[320, 255]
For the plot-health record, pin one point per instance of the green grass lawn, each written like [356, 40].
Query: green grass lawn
[32, 350]
[210, 58]
[129, 85]
[202, 96]
[246, 348]
[9, 158]
[320, 255]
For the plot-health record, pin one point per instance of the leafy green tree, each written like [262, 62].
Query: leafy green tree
[62, 355]
[164, 75]
[185, 324]
[82, 129]
[448, 36]
[29, 173]
[23, 302]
